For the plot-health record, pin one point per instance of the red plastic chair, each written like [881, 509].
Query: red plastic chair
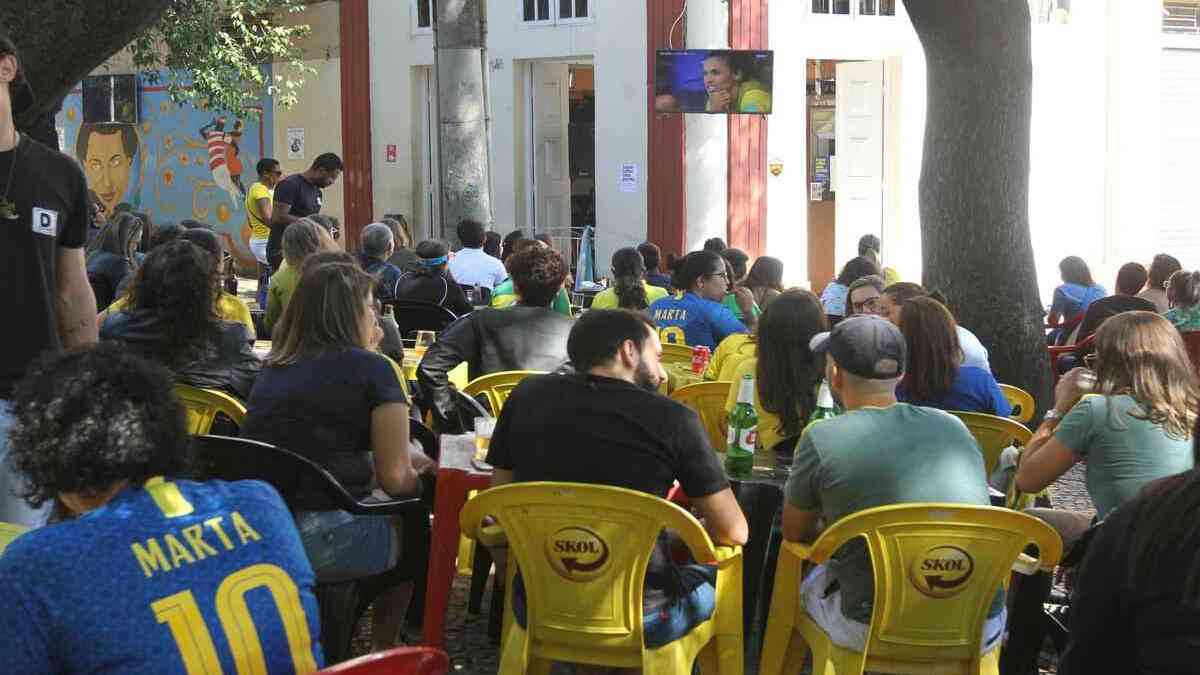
[1078, 349]
[402, 661]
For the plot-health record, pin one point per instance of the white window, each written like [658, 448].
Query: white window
[550, 12]
[854, 8]
[424, 16]
[1181, 17]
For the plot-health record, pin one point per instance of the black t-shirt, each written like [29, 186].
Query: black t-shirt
[598, 430]
[305, 200]
[50, 193]
[321, 408]
[1103, 308]
[433, 287]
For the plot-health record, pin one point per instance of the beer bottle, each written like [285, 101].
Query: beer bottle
[743, 432]
[826, 408]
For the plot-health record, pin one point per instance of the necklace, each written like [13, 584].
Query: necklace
[8, 210]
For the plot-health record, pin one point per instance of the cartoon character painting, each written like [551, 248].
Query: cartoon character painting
[224, 156]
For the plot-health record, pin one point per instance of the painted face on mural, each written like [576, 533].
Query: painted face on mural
[107, 168]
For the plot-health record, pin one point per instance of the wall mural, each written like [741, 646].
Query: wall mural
[177, 163]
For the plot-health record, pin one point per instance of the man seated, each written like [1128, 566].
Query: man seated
[471, 266]
[526, 336]
[1130, 280]
[378, 244]
[144, 573]
[879, 452]
[430, 282]
[606, 425]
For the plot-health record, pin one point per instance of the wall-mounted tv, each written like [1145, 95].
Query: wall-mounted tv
[110, 99]
[714, 81]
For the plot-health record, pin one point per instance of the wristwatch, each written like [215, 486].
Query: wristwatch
[1052, 414]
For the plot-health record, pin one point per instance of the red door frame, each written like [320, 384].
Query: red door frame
[666, 157]
[355, 39]
[747, 226]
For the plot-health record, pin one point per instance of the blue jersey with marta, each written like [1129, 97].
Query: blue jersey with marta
[173, 577]
[702, 321]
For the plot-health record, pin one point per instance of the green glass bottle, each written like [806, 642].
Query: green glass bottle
[826, 408]
[743, 432]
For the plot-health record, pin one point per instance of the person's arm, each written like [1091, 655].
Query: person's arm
[281, 214]
[456, 344]
[745, 301]
[274, 309]
[723, 518]
[800, 525]
[75, 303]
[702, 478]
[245, 369]
[25, 626]
[264, 208]
[1056, 308]
[1099, 631]
[1061, 442]
[394, 470]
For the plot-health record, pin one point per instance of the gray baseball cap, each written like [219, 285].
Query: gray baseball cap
[865, 345]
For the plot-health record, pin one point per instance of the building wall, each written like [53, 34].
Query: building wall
[707, 137]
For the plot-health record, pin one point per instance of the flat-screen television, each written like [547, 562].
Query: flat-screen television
[714, 81]
[110, 99]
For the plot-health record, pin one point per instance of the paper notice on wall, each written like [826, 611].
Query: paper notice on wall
[295, 143]
[629, 178]
[816, 192]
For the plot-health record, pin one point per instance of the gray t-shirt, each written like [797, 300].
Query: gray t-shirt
[1123, 452]
[873, 457]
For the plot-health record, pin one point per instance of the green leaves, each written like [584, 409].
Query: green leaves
[214, 53]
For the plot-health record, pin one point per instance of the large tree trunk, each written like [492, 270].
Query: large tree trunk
[460, 40]
[974, 192]
[61, 41]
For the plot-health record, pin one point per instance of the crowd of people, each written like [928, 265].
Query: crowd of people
[95, 458]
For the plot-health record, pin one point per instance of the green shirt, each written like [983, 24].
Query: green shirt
[1123, 452]
[1186, 319]
[283, 284]
[503, 296]
[873, 457]
[730, 302]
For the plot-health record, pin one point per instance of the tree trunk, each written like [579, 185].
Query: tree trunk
[460, 39]
[974, 192]
[62, 41]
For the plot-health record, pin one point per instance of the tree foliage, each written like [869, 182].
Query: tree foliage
[212, 52]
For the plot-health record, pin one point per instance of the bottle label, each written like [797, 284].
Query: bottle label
[748, 439]
[731, 438]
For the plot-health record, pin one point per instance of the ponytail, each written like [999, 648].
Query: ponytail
[628, 271]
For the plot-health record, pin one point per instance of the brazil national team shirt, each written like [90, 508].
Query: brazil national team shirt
[697, 320]
[174, 577]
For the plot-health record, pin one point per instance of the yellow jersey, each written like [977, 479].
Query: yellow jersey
[258, 229]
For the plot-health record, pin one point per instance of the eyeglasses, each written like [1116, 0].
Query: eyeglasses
[870, 304]
[723, 275]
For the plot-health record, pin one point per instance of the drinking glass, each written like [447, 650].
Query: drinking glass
[425, 340]
[484, 426]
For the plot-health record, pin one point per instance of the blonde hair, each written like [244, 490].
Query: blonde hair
[323, 314]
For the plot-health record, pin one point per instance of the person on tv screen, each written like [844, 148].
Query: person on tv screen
[732, 88]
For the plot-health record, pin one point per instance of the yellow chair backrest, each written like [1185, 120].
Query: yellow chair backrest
[993, 434]
[1021, 401]
[497, 386]
[8, 532]
[203, 405]
[676, 353]
[708, 400]
[582, 551]
[937, 568]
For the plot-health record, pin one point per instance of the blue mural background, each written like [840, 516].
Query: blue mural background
[170, 176]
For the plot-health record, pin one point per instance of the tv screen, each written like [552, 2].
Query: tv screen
[714, 81]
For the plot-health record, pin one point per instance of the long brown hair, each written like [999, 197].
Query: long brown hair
[1141, 354]
[933, 349]
[787, 370]
[323, 314]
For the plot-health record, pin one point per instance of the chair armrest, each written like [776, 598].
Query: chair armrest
[726, 555]
[408, 505]
[796, 549]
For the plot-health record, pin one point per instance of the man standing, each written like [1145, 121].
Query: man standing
[258, 214]
[299, 196]
[471, 266]
[378, 244]
[607, 425]
[43, 228]
[878, 453]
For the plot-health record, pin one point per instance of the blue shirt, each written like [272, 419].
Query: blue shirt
[974, 390]
[703, 321]
[1073, 299]
[833, 298]
[138, 588]
[387, 276]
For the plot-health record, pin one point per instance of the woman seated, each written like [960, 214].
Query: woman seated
[787, 372]
[833, 298]
[1131, 416]
[739, 299]
[327, 395]
[111, 257]
[300, 240]
[697, 317]
[765, 280]
[172, 318]
[629, 289]
[894, 297]
[1071, 299]
[1183, 294]
[934, 376]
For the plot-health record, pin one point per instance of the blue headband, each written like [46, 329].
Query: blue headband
[433, 262]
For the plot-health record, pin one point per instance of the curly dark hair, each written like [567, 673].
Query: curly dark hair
[90, 418]
[178, 283]
[537, 274]
[856, 269]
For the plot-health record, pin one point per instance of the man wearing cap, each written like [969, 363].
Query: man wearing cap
[429, 282]
[879, 452]
[44, 220]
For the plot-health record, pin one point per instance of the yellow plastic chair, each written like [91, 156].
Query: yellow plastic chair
[708, 400]
[497, 386]
[1021, 401]
[921, 623]
[203, 405]
[676, 353]
[583, 551]
[8, 532]
[993, 434]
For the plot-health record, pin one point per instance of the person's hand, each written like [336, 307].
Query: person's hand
[1071, 387]
[376, 336]
[745, 300]
[720, 100]
[421, 462]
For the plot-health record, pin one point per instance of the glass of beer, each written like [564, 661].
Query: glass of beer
[484, 426]
[425, 340]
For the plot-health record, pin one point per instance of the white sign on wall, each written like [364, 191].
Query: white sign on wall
[295, 143]
[629, 178]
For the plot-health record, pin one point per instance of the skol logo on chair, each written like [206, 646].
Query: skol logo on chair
[577, 553]
[942, 571]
